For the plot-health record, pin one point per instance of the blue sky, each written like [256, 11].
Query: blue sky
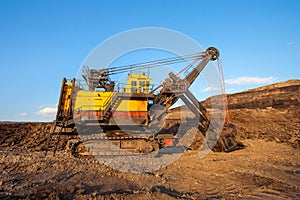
[43, 41]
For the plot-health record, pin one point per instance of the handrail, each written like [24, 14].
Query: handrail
[106, 102]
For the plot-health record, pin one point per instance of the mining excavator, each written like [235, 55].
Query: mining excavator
[132, 115]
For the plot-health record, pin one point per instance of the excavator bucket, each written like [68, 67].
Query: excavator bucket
[227, 141]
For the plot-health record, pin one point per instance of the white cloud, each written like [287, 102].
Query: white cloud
[293, 44]
[41, 106]
[230, 89]
[46, 112]
[247, 80]
[23, 114]
[211, 88]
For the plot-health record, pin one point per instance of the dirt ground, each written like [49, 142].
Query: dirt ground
[268, 168]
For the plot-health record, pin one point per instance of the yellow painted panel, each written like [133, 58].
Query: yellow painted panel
[132, 105]
[92, 100]
[66, 97]
[99, 100]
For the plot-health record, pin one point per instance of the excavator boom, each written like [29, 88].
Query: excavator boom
[176, 88]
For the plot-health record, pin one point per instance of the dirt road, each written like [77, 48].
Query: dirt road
[264, 170]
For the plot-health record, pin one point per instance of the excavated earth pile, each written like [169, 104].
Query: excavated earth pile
[268, 123]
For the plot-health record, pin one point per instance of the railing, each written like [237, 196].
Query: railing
[89, 113]
[108, 103]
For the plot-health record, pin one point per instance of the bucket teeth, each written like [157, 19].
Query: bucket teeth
[227, 141]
